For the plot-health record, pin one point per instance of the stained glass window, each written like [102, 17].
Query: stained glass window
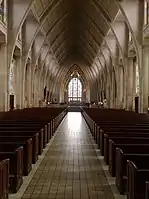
[75, 90]
[2, 11]
[137, 79]
[130, 37]
[11, 79]
[146, 12]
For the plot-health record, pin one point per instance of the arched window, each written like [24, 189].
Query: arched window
[2, 11]
[11, 89]
[137, 79]
[75, 90]
[146, 12]
[130, 37]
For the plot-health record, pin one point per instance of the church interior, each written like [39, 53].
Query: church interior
[74, 99]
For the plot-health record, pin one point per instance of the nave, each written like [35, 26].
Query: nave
[70, 168]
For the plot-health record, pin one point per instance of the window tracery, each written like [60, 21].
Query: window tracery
[75, 90]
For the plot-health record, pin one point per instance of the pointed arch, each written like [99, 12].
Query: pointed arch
[75, 90]
[75, 69]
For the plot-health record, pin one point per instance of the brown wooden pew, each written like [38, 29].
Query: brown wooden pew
[122, 144]
[30, 118]
[121, 165]
[116, 137]
[15, 155]
[120, 130]
[25, 124]
[25, 132]
[21, 125]
[115, 116]
[46, 125]
[20, 135]
[147, 190]
[137, 174]
[26, 128]
[26, 142]
[27, 151]
[4, 178]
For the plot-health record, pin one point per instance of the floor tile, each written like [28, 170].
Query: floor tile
[70, 168]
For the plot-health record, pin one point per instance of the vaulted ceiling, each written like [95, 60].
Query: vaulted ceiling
[75, 28]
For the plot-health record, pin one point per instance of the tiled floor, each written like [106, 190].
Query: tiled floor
[70, 168]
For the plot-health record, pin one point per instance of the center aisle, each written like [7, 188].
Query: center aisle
[70, 168]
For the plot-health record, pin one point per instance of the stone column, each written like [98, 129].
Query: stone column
[40, 83]
[125, 84]
[41, 87]
[108, 93]
[18, 82]
[22, 84]
[4, 79]
[29, 86]
[144, 78]
[112, 91]
[117, 69]
[120, 85]
[129, 84]
[35, 89]
[33, 85]
[36, 86]
[134, 83]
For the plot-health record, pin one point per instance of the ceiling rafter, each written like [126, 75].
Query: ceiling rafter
[72, 29]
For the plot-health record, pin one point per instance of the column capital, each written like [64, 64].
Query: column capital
[132, 54]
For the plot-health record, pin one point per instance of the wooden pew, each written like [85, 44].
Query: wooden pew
[137, 174]
[24, 135]
[25, 132]
[116, 117]
[119, 130]
[26, 125]
[15, 155]
[112, 150]
[121, 138]
[42, 124]
[27, 151]
[37, 115]
[27, 129]
[121, 165]
[26, 142]
[147, 190]
[4, 179]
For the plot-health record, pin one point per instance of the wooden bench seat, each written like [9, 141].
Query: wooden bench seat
[11, 137]
[121, 166]
[147, 190]
[4, 178]
[120, 136]
[25, 132]
[27, 151]
[27, 129]
[16, 128]
[46, 125]
[119, 130]
[112, 151]
[137, 174]
[15, 155]
[29, 125]
[130, 132]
